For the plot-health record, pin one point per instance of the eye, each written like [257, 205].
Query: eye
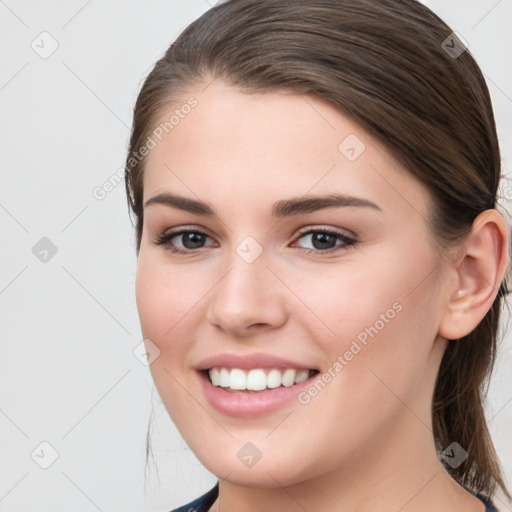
[189, 241]
[325, 240]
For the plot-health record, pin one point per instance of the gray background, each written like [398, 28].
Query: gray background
[69, 323]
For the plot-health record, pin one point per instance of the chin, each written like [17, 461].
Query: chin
[270, 471]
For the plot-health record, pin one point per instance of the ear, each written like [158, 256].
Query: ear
[480, 266]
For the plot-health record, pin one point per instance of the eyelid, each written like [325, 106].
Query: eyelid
[318, 227]
[165, 237]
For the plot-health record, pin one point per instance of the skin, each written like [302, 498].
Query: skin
[365, 442]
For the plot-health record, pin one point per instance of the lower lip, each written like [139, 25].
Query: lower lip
[248, 405]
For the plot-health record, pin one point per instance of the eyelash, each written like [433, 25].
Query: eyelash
[165, 238]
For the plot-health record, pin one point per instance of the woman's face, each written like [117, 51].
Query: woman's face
[256, 285]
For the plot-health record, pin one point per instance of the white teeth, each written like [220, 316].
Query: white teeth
[302, 375]
[289, 377]
[256, 379]
[237, 379]
[274, 379]
[215, 375]
[223, 378]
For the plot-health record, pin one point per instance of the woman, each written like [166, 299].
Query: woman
[320, 258]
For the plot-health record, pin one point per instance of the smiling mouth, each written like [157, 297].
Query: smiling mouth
[257, 380]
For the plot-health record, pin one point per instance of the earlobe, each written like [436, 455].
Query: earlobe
[480, 269]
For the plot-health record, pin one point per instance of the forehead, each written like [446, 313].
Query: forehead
[238, 147]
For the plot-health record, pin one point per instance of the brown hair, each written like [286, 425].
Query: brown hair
[387, 64]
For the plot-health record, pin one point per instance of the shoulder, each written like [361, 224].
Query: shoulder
[489, 505]
[201, 504]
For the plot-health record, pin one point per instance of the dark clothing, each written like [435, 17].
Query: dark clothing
[204, 502]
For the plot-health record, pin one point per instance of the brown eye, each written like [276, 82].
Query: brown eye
[326, 240]
[182, 241]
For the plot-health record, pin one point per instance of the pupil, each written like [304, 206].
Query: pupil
[192, 240]
[324, 240]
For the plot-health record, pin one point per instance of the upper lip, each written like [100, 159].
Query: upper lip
[249, 361]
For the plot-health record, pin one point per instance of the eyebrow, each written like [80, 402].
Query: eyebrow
[283, 208]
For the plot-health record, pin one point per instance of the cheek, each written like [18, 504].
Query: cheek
[170, 302]
[164, 296]
[163, 301]
[162, 305]
[380, 351]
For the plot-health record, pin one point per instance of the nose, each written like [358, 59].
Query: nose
[248, 300]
